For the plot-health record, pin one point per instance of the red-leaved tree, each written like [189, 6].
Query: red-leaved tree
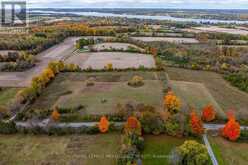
[208, 113]
[196, 124]
[103, 124]
[231, 130]
[132, 126]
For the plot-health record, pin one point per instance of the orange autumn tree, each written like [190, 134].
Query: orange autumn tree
[196, 124]
[55, 114]
[172, 103]
[154, 51]
[103, 125]
[132, 126]
[208, 113]
[231, 130]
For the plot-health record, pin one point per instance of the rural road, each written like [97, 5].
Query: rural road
[62, 125]
[218, 126]
[23, 79]
[210, 151]
[89, 124]
[55, 53]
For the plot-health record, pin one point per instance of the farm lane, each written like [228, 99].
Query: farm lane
[23, 79]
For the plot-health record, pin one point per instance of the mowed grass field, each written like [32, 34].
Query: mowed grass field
[227, 96]
[70, 90]
[229, 153]
[158, 148]
[195, 95]
[80, 150]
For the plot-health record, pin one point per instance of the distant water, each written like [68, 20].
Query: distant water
[169, 18]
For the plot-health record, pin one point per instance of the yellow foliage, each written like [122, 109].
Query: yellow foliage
[109, 66]
[48, 73]
[172, 103]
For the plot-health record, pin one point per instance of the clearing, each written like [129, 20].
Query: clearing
[76, 149]
[228, 97]
[119, 60]
[70, 90]
[229, 153]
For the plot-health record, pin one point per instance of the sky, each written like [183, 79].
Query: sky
[188, 4]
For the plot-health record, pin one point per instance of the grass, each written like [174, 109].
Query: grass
[158, 148]
[226, 96]
[7, 95]
[229, 153]
[113, 93]
[70, 90]
[196, 95]
[27, 149]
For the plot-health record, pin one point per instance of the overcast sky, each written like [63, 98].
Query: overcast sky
[212, 4]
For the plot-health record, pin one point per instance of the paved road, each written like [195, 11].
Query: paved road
[44, 123]
[55, 53]
[210, 151]
[218, 126]
[23, 79]
[76, 125]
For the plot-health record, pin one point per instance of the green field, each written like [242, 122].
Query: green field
[224, 94]
[70, 90]
[6, 97]
[27, 149]
[158, 148]
[229, 153]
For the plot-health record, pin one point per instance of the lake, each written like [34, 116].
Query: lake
[167, 17]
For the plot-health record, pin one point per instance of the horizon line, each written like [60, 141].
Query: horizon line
[138, 8]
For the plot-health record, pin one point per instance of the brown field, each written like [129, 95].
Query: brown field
[195, 95]
[116, 46]
[167, 39]
[76, 149]
[222, 30]
[119, 60]
[228, 97]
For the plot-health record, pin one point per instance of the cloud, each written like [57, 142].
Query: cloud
[141, 3]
